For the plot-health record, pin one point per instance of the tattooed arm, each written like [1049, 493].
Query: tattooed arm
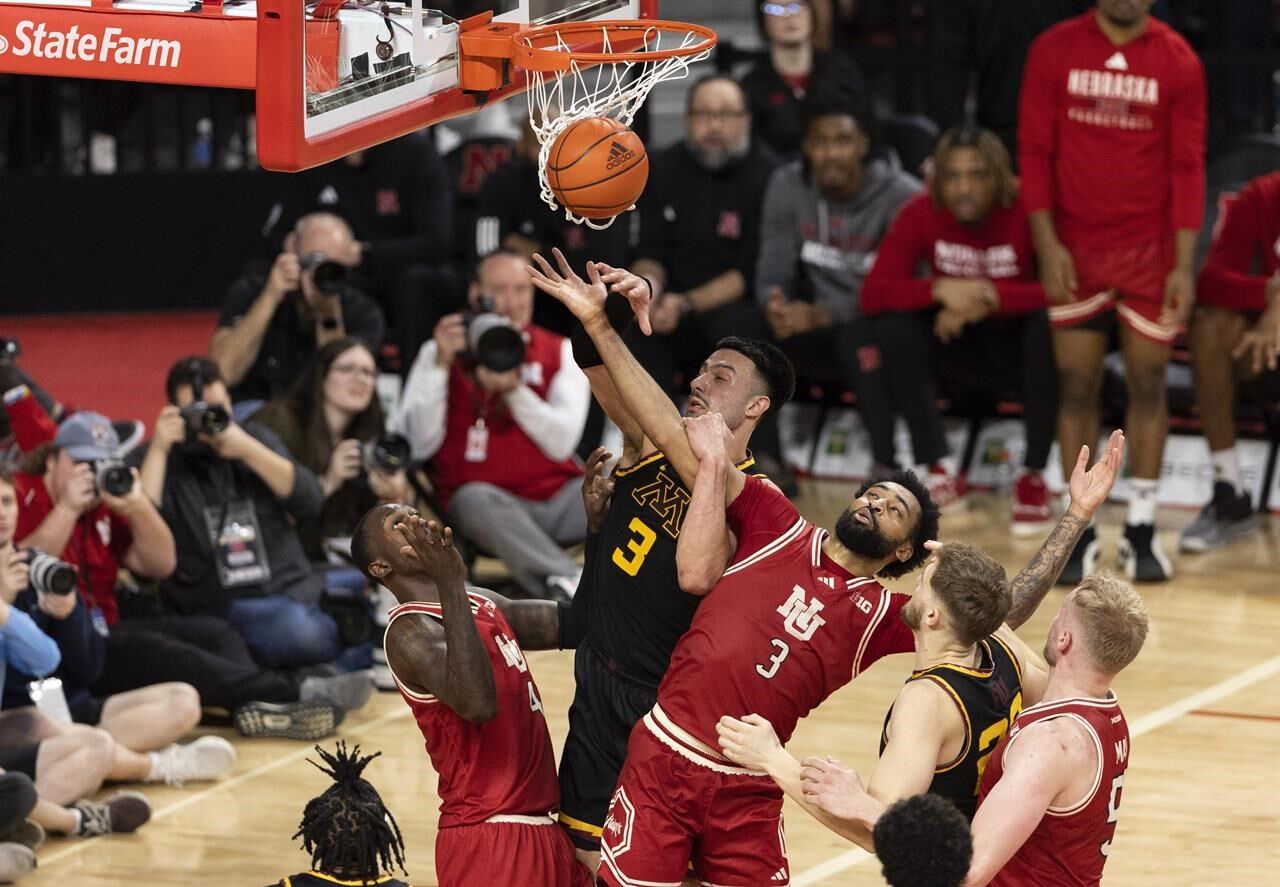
[1089, 490]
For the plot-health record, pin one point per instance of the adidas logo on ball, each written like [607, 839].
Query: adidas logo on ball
[618, 155]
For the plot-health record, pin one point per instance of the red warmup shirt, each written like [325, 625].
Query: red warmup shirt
[97, 546]
[1246, 248]
[1111, 138]
[783, 629]
[513, 461]
[504, 766]
[998, 248]
[1069, 846]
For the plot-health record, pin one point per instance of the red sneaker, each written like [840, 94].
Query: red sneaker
[947, 490]
[1032, 513]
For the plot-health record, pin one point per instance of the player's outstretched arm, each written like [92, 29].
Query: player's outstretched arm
[641, 395]
[706, 544]
[1089, 488]
[1037, 768]
[450, 663]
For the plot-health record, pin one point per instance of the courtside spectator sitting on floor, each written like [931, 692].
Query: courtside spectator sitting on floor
[1235, 340]
[233, 496]
[328, 421]
[269, 327]
[977, 312]
[501, 442]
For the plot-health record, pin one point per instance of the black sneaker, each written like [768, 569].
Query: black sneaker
[1227, 517]
[312, 719]
[1083, 560]
[120, 812]
[1140, 556]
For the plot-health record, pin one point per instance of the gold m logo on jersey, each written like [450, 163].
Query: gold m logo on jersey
[801, 617]
[666, 498]
[512, 654]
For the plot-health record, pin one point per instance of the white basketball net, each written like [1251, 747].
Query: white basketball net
[613, 89]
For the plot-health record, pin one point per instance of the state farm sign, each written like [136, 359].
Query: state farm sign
[110, 46]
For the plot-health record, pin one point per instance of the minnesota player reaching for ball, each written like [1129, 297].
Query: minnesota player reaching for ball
[797, 614]
[1050, 798]
[971, 679]
[457, 658]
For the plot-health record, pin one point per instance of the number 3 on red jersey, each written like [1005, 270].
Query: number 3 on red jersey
[800, 620]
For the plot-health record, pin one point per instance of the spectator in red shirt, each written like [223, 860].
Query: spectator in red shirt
[978, 308]
[1111, 141]
[1235, 339]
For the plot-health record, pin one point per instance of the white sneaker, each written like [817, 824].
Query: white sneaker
[206, 758]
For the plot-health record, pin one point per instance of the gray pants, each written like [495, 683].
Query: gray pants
[524, 534]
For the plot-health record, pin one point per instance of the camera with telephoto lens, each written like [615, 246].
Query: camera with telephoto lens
[205, 418]
[326, 274]
[111, 476]
[49, 575]
[492, 339]
[387, 453]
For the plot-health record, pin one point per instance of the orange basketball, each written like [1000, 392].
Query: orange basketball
[597, 168]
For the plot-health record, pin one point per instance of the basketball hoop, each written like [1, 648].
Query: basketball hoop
[630, 58]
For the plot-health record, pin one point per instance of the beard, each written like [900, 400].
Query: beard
[715, 159]
[863, 539]
[909, 616]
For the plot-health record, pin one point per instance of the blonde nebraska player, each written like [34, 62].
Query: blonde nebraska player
[456, 657]
[797, 615]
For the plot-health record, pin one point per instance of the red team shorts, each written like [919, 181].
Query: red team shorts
[1128, 281]
[668, 810]
[512, 852]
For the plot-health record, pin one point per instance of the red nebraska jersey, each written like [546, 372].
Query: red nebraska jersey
[1070, 845]
[783, 629]
[998, 248]
[1111, 138]
[502, 767]
[1246, 248]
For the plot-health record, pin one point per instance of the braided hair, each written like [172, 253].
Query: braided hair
[346, 829]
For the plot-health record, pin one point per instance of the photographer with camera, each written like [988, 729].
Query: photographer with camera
[332, 423]
[497, 405]
[232, 494]
[269, 327]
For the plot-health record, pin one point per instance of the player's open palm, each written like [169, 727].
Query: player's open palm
[434, 548]
[585, 300]
[833, 786]
[750, 742]
[1090, 487]
[708, 435]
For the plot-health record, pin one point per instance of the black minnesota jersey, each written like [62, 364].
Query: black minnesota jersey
[639, 612]
[319, 879]
[989, 697]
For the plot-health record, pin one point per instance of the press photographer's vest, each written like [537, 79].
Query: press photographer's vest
[511, 460]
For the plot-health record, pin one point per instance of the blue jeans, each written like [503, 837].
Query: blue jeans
[282, 633]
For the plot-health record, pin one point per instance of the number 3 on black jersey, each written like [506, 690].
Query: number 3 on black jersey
[638, 547]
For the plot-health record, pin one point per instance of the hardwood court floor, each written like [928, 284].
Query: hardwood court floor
[1199, 807]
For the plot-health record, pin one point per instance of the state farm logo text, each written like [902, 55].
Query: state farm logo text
[112, 46]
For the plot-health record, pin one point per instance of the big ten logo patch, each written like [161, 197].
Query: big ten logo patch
[666, 497]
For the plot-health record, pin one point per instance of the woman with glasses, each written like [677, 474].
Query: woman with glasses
[777, 85]
[332, 423]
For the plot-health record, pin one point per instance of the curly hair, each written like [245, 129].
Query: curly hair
[926, 527]
[346, 829]
[923, 841]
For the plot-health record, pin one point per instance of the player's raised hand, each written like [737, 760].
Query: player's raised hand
[585, 300]
[833, 786]
[749, 742]
[1090, 487]
[597, 488]
[634, 288]
[708, 435]
[433, 548]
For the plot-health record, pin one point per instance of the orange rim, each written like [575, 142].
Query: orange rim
[539, 48]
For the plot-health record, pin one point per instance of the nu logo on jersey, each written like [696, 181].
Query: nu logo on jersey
[111, 46]
[618, 155]
[1122, 751]
[801, 615]
[666, 498]
[512, 654]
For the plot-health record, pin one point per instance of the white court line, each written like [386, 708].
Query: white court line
[297, 755]
[1145, 724]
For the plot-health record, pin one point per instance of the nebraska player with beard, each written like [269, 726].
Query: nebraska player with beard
[797, 615]
[1111, 149]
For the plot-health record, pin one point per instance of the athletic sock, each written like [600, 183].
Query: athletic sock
[1226, 467]
[1142, 501]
